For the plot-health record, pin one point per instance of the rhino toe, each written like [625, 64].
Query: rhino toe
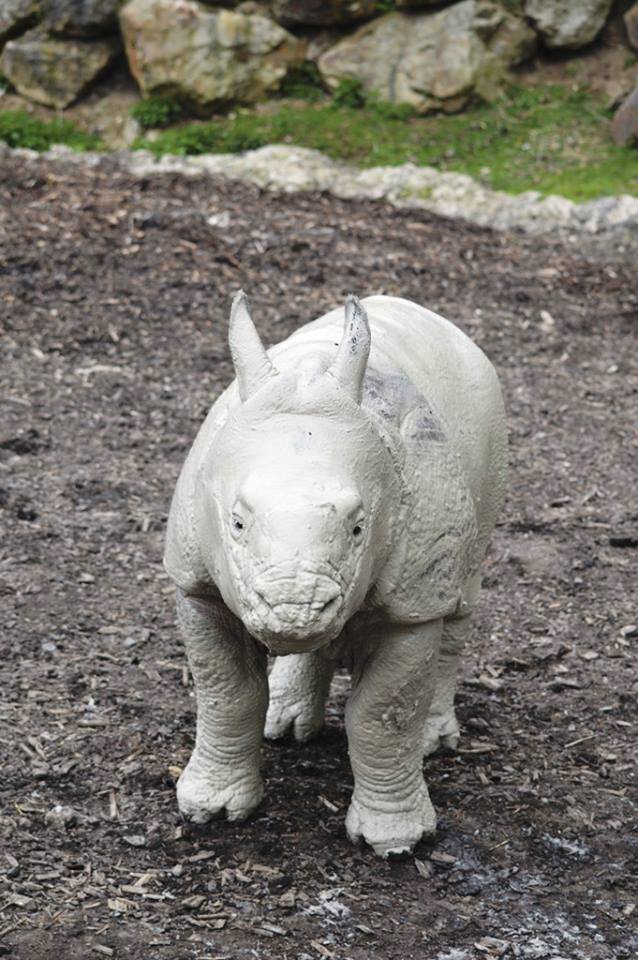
[284, 718]
[210, 796]
[441, 731]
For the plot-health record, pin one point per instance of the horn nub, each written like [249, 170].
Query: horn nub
[253, 366]
[349, 366]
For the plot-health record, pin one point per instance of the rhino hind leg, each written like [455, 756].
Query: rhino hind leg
[441, 727]
[299, 686]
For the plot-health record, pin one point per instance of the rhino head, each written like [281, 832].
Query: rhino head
[293, 498]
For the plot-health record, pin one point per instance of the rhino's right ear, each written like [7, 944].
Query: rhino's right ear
[253, 366]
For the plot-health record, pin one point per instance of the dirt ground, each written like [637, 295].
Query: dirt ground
[114, 298]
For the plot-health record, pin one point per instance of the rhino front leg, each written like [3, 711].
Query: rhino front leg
[299, 687]
[385, 716]
[229, 671]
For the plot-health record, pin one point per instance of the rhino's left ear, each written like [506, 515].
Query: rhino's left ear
[349, 366]
[253, 366]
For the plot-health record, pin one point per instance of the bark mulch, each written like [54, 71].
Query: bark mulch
[114, 296]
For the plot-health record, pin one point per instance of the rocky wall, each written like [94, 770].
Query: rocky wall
[432, 55]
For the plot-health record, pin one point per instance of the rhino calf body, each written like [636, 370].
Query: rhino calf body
[334, 510]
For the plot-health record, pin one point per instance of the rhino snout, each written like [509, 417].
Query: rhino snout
[297, 597]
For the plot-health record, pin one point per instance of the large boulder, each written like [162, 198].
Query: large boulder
[321, 13]
[631, 22]
[205, 56]
[624, 126]
[52, 71]
[80, 18]
[432, 61]
[568, 24]
[16, 16]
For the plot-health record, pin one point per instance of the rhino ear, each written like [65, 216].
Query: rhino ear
[253, 366]
[349, 366]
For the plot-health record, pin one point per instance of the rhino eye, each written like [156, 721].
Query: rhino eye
[237, 523]
[358, 530]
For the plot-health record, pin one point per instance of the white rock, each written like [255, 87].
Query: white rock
[568, 23]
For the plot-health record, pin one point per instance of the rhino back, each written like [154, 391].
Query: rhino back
[425, 369]
[428, 383]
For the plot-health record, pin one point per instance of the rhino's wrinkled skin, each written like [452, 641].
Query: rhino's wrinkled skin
[335, 508]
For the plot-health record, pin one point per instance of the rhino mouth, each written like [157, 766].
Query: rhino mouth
[297, 607]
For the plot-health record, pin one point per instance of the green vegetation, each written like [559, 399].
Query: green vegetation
[349, 93]
[553, 139]
[549, 138]
[19, 129]
[303, 82]
[157, 112]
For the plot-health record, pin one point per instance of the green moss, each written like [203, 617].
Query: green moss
[19, 129]
[157, 112]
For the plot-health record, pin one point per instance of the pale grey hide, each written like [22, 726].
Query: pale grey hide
[334, 510]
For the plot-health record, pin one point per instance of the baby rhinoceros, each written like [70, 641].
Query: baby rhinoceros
[334, 510]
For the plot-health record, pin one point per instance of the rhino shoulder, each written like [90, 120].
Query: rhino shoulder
[434, 530]
[182, 555]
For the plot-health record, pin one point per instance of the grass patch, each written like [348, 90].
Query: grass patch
[19, 129]
[157, 112]
[549, 138]
[303, 82]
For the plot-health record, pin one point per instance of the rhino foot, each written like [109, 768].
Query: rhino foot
[441, 730]
[391, 833]
[204, 796]
[285, 715]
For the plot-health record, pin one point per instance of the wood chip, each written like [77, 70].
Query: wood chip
[287, 899]
[18, 900]
[492, 946]
[478, 748]
[424, 870]
[439, 856]
[319, 947]
[202, 855]
[263, 870]
[194, 902]
[272, 928]
[573, 743]
[119, 904]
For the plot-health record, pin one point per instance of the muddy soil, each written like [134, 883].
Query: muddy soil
[114, 298]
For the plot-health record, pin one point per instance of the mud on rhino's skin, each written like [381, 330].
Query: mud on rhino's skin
[335, 508]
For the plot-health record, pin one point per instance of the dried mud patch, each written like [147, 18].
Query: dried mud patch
[114, 298]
